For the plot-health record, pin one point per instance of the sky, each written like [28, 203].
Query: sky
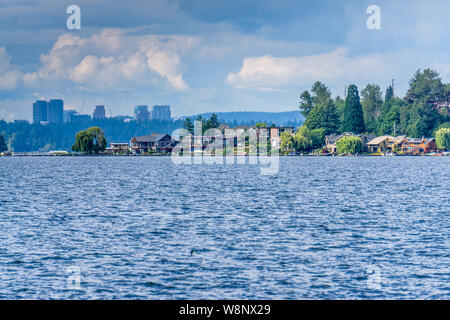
[210, 56]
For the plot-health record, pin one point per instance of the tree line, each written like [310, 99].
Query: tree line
[25, 137]
[418, 114]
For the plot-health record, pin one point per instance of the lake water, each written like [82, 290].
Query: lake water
[144, 228]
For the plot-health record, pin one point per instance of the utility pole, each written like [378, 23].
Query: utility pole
[395, 129]
[345, 92]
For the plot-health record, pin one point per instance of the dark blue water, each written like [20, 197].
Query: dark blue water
[143, 228]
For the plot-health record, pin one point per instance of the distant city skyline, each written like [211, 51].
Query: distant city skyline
[211, 56]
[54, 111]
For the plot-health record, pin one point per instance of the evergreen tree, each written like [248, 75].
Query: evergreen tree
[306, 103]
[353, 120]
[389, 117]
[188, 125]
[3, 146]
[371, 105]
[322, 94]
[425, 90]
[425, 87]
[213, 122]
[323, 113]
[389, 94]
[340, 105]
[423, 120]
[325, 117]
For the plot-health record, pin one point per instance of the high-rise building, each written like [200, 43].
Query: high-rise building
[55, 111]
[99, 112]
[161, 112]
[141, 113]
[39, 111]
[67, 115]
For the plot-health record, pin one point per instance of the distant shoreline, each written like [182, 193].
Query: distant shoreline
[168, 155]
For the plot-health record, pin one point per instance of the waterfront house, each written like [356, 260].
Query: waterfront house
[330, 142]
[386, 144]
[394, 144]
[378, 144]
[118, 148]
[419, 145]
[275, 135]
[365, 138]
[156, 142]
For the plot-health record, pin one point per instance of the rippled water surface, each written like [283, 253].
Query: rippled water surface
[144, 228]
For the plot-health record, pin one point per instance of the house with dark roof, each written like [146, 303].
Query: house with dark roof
[156, 142]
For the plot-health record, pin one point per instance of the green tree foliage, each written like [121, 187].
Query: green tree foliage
[90, 141]
[315, 136]
[323, 116]
[416, 115]
[371, 104]
[443, 138]
[303, 139]
[321, 95]
[306, 103]
[443, 125]
[349, 145]
[391, 115]
[187, 124]
[60, 136]
[425, 87]
[287, 142]
[422, 120]
[322, 112]
[353, 120]
[302, 143]
[261, 125]
[425, 90]
[211, 123]
[389, 94]
[340, 105]
[3, 146]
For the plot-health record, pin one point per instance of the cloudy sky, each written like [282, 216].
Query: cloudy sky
[208, 55]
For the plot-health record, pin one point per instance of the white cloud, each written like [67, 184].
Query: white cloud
[113, 58]
[10, 75]
[166, 64]
[268, 73]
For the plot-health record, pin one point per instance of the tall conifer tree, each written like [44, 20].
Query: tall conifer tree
[353, 120]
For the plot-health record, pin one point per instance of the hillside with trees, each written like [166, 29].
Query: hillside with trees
[422, 111]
